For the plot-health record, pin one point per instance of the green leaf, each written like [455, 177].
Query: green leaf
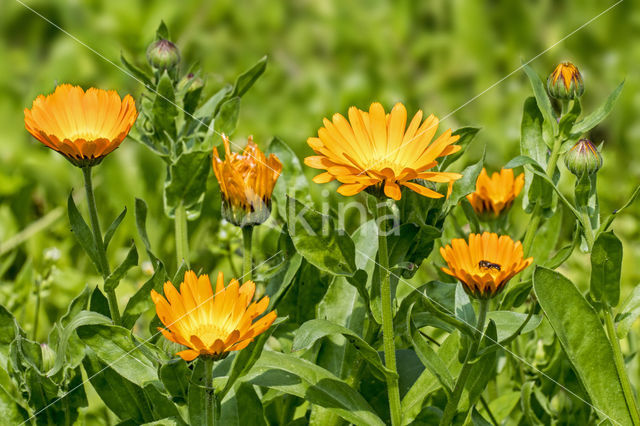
[123, 397]
[429, 357]
[593, 119]
[292, 181]
[542, 99]
[467, 134]
[175, 378]
[532, 145]
[248, 78]
[186, 183]
[471, 215]
[583, 339]
[246, 358]
[11, 410]
[629, 313]
[316, 385]
[508, 322]
[82, 318]
[427, 383]
[82, 233]
[113, 280]
[502, 406]
[116, 347]
[164, 111]
[113, 227]
[242, 407]
[465, 185]
[316, 329]
[141, 224]
[484, 369]
[141, 301]
[9, 329]
[606, 266]
[609, 220]
[315, 237]
[138, 73]
[226, 120]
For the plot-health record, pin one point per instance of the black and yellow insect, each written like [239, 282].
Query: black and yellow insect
[485, 264]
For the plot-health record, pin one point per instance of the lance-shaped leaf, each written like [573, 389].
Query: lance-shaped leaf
[113, 280]
[227, 119]
[316, 329]
[292, 180]
[542, 99]
[606, 266]
[111, 230]
[316, 385]
[629, 313]
[579, 329]
[186, 183]
[82, 232]
[164, 111]
[593, 119]
[141, 301]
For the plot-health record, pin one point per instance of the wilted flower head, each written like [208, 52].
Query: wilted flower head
[163, 55]
[565, 82]
[211, 324]
[378, 152]
[246, 182]
[494, 195]
[82, 126]
[485, 264]
[583, 158]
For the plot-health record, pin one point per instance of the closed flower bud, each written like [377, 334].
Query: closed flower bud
[583, 158]
[190, 82]
[48, 357]
[565, 82]
[163, 55]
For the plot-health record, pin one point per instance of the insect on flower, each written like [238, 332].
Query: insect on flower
[488, 265]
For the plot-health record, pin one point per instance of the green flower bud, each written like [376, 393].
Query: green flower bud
[190, 82]
[583, 158]
[48, 357]
[163, 55]
[565, 82]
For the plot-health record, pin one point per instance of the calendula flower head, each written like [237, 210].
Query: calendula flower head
[485, 264]
[246, 182]
[583, 158]
[565, 82]
[163, 55]
[494, 195]
[378, 152]
[211, 323]
[82, 126]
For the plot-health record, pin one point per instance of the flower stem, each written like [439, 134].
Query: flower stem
[210, 406]
[452, 404]
[182, 235]
[99, 243]
[247, 260]
[388, 337]
[620, 367]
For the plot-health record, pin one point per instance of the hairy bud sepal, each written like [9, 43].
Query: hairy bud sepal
[163, 55]
[583, 158]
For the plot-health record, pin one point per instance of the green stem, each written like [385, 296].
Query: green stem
[247, 260]
[387, 321]
[620, 367]
[37, 313]
[586, 226]
[452, 404]
[182, 235]
[99, 243]
[210, 405]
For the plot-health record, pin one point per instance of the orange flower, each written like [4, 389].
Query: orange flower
[378, 152]
[246, 181]
[495, 195]
[486, 264]
[82, 126]
[211, 324]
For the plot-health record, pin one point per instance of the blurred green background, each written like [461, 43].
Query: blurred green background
[445, 57]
